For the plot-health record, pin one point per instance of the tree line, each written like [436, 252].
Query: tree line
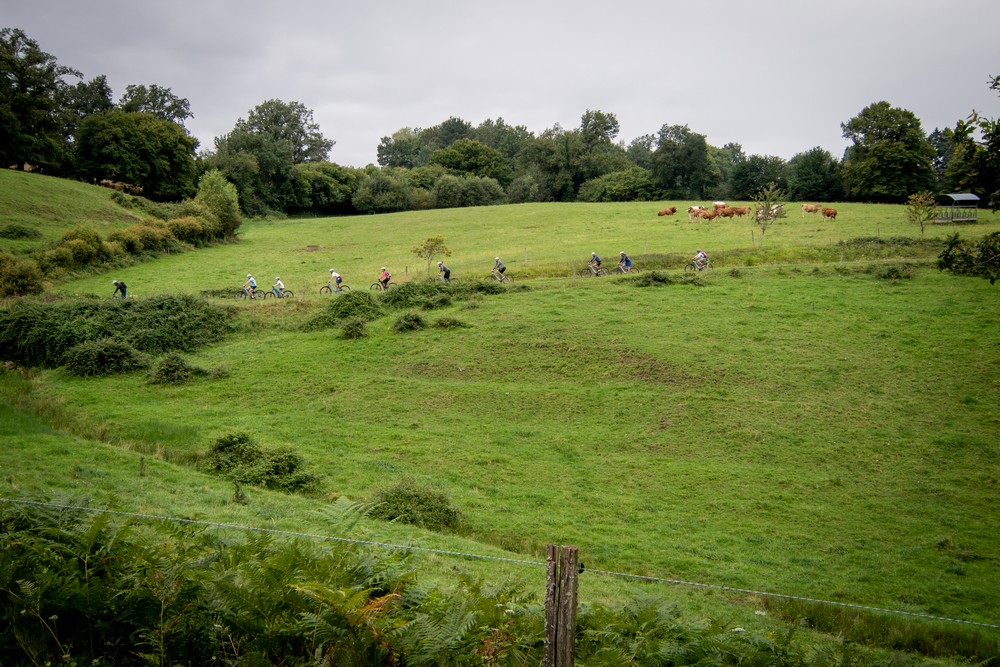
[278, 157]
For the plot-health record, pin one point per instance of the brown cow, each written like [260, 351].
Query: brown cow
[809, 208]
[727, 212]
[705, 214]
[668, 211]
[741, 211]
[719, 205]
[829, 213]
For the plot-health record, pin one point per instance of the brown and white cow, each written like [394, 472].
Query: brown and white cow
[830, 213]
[693, 211]
[809, 208]
[719, 205]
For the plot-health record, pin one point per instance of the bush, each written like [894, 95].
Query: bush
[651, 278]
[191, 230]
[408, 322]
[16, 231]
[107, 356]
[981, 259]
[412, 294]
[174, 369]
[19, 276]
[38, 334]
[437, 301]
[350, 305]
[222, 199]
[450, 323]
[237, 456]
[892, 272]
[418, 504]
[354, 328]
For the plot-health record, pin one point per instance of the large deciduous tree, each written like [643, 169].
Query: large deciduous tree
[814, 176]
[140, 149]
[890, 157]
[681, 164]
[159, 101]
[31, 126]
[259, 155]
[750, 176]
[466, 156]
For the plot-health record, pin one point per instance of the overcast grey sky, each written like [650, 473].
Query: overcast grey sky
[777, 76]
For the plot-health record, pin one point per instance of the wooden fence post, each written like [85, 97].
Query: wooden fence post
[560, 606]
[551, 602]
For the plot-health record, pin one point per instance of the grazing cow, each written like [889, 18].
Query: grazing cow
[727, 212]
[694, 211]
[717, 205]
[741, 211]
[705, 214]
[829, 213]
[809, 208]
[668, 211]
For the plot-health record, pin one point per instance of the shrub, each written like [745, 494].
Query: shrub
[351, 305]
[437, 301]
[981, 259]
[418, 504]
[16, 231]
[412, 294]
[408, 322]
[189, 230]
[354, 328]
[892, 272]
[38, 334]
[107, 356]
[174, 369]
[651, 278]
[237, 456]
[90, 237]
[127, 238]
[19, 276]
[450, 323]
[222, 199]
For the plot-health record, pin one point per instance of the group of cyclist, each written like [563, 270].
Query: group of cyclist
[251, 287]
[336, 280]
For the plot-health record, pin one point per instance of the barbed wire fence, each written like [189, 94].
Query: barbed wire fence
[500, 559]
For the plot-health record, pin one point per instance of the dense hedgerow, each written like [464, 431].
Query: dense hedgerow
[238, 457]
[40, 334]
[19, 276]
[418, 504]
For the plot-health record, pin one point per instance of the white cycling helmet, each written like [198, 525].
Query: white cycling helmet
[622, 252]
[249, 276]
[496, 259]
[332, 271]
[440, 262]
[277, 278]
[384, 269]
[114, 282]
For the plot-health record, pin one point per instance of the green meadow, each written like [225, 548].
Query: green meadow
[816, 417]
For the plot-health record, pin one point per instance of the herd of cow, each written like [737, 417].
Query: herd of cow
[722, 210]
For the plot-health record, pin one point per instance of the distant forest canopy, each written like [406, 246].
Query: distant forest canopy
[278, 159]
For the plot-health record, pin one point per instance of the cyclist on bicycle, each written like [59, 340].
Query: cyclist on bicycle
[250, 286]
[595, 262]
[384, 277]
[336, 279]
[279, 287]
[499, 266]
[625, 262]
[119, 287]
[444, 271]
[699, 259]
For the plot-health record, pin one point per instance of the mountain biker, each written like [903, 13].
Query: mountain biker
[595, 261]
[699, 259]
[625, 262]
[442, 269]
[499, 266]
[279, 287]
[251, 286]
[384, 277]
[335, 277]
[119, 287]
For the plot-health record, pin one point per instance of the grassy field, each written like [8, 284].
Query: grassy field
[790, 423]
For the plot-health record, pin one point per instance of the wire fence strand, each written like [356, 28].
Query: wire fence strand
[501, 559]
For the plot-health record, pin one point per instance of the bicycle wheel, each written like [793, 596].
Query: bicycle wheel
[344, 288]
[507, 279]
[376, 286]
[288, 294]
[691, 268]
[325, 289]
[242, 295]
